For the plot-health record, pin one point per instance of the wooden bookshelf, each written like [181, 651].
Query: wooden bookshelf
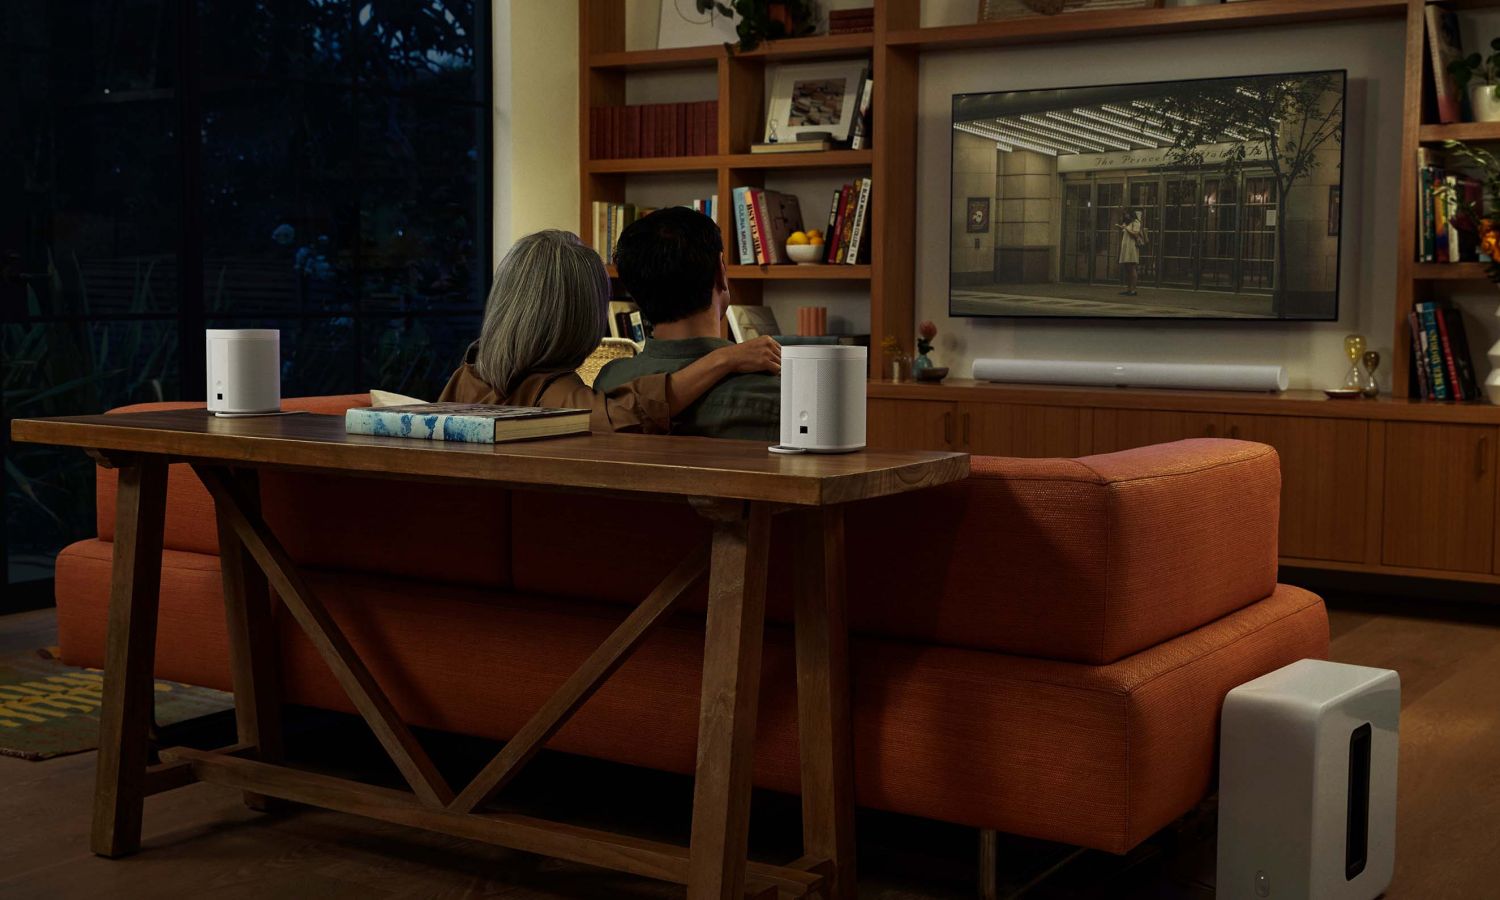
[1115, 24]
[739, 79]
[1459, 131]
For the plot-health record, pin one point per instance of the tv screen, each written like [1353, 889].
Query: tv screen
[1207, 199]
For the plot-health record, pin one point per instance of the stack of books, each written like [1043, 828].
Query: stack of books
[1440, 350]
[847, 239]
[609, 219]
[1450, 206]
[654, 130]
[851, 21]
[763, 221]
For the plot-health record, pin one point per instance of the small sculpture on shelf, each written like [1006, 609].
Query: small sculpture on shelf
[922, 368]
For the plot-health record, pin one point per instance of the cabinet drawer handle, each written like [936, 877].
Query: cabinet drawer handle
[1211, 430]
[948, 428]
[1234, 432]
[966, 429]
[1482, 458]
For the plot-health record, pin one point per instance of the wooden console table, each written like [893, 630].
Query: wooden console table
[740, 487]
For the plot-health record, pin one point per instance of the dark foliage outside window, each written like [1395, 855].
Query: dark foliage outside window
[166, 166]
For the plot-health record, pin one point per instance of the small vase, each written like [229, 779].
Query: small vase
[1483, 103]
[918, 364]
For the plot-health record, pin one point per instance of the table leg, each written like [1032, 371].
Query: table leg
[130, 651]
[735, 633]
[253, 667]
[825, 735]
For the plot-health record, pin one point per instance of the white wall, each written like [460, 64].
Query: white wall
[1311, 351]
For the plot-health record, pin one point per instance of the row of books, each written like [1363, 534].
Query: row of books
[610, 219]
[851, 21]
[625, 321]
[1448, 205]
[847, 239]
[653, 130]
[764, 219]
[1440, 351]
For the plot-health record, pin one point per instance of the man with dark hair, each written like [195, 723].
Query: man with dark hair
[672, 263]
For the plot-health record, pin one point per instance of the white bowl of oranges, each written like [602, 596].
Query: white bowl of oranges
[805, 248]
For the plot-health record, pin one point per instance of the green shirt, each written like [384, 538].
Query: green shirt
[747, 407]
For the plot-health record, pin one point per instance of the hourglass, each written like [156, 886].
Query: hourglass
[1354, 348]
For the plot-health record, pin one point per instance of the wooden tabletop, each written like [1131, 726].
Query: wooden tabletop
[678, 466]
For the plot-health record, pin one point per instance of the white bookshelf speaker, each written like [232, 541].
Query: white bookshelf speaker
[1307, 784]
[822, 398]
[244, 371]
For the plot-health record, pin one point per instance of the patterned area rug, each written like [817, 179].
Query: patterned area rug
[49, 709]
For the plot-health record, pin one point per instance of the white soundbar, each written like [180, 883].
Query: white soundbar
[1191, 376]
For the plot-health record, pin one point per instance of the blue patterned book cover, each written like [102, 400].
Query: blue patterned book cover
[467, 423]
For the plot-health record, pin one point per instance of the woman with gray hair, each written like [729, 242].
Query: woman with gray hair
[545, 314]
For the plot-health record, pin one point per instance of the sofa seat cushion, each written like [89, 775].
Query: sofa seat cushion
[1088, 559]
[390, 527]
[1098, 756]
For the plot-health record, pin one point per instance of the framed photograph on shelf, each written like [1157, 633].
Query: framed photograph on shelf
[814, 99]
[682, 25]
[995, 10]
[978, 218]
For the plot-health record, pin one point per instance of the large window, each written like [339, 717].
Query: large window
[318, 166]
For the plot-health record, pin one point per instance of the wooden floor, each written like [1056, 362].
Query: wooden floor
[200, 841]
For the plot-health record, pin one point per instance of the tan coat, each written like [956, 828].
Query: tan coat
[640, 405]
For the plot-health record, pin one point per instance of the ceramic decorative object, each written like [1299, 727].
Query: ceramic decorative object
[1371, 361]
[1485, 104]
[925, 333]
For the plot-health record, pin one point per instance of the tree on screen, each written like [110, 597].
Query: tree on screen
[1279, 121]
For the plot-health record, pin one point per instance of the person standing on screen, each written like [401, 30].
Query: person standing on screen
[1132, 236]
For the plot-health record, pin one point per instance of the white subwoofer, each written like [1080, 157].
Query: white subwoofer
[1307, 784]
[1187, 376]
[244, 371]
[822, 398]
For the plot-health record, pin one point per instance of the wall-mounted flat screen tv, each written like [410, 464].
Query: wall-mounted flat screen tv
[1204, 199]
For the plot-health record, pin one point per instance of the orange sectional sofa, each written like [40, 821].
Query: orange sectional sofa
[1041, 649]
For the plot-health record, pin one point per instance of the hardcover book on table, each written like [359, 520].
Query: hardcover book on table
[467, 423]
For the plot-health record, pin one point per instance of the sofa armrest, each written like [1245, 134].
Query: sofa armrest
[190, 511]
[1088, 559]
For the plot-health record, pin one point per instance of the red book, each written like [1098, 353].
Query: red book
[713, 126]
[1448, 364]
[702, 131]
[832, 238]
[760, 227]
[648, 130]
[846, 229]
[594, 132]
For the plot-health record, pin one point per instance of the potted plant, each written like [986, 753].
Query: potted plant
[767, 20]
[1484, 96]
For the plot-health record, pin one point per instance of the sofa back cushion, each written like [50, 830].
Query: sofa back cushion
[458, 534]
[1088, 560]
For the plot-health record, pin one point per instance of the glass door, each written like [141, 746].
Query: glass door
[1220, 233]
[1258, 241]
[1179, 231]
[1109, 207]
[1077, 210]
[1145, 198]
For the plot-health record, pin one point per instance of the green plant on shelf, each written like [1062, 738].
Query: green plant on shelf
[766, 20]
[1486, 68]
